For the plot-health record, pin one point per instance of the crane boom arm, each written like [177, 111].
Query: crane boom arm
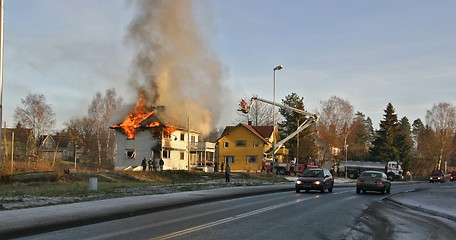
[312, 118]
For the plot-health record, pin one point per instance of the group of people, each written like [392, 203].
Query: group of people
[152, 164]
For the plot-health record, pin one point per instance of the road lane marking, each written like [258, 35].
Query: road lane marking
[229, 219]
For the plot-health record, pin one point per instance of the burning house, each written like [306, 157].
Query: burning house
[147, 134]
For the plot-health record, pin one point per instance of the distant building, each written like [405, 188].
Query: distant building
[23, 145]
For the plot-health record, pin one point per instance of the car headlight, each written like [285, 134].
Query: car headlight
[298, 182]
[317, 182]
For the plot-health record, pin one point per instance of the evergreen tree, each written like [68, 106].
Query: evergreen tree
[361, 138]
[291, 123]
[390, 143]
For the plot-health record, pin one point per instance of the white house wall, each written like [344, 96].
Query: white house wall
[142, 146]
[144, 142]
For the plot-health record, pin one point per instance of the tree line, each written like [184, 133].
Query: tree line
[90, 136]
[341, 133]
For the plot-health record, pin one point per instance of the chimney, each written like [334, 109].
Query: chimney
[160, 109]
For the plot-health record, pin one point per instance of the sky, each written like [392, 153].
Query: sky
[369, 53]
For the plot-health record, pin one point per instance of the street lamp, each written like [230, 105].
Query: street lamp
[274, 123]
[346, 157]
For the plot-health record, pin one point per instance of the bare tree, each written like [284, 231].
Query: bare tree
[36, 114]
[336, 117]
[260, 114]
[100, 112]
[441, 120]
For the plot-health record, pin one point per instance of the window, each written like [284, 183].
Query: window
[130, 153]
[182, 137]
[229, 159]
[241, 143]
[182, 155]
[193, 139]
[251, 159]
[256, 144]
[226, 144]
[166, 154]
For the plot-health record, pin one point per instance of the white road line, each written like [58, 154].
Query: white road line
[229, 219]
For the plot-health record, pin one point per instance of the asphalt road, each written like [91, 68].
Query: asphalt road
[284, 215]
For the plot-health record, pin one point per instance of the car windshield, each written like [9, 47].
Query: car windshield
[436, 174]
[312, 173]
[371, 175]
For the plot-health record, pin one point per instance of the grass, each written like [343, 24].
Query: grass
[27, 189]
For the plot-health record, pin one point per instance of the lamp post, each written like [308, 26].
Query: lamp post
[274, 123]
[346, 157]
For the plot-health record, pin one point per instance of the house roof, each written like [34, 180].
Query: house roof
[262, 132]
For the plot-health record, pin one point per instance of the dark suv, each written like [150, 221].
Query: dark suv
[315, 179]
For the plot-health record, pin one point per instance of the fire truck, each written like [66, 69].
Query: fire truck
[289, 168]
[269, 163]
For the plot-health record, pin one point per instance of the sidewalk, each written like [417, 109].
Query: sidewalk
[435, 201]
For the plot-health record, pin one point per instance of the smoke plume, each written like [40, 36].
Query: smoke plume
[174, 65]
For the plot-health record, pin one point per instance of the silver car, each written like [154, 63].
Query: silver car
[373, 181]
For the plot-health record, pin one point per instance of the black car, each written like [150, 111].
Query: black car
[315, 179]
[373, 181]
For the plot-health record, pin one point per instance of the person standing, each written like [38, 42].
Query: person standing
[154, 164]
[150, 164]
[144, 164]
[161, 164]
[227, 173]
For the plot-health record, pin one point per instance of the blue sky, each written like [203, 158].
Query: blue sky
[369, 53]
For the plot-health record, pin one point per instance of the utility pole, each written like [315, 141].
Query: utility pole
[2, 13]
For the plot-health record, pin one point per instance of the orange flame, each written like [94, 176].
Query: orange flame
[134, 119]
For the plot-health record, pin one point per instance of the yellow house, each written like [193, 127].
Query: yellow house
[244, 146]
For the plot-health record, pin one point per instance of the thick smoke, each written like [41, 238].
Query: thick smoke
[174, 65]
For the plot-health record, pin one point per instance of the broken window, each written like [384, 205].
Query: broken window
[182, 137]
[166, 154]
[131, 153]
[256, 144]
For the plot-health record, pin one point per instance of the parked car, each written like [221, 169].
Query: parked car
[373, 181]
[437, 176]
[315, 179]
[453, 176]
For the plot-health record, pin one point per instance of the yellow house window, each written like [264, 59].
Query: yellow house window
[241, 143]
[229, 159]
[226, 144]
[256, 144]
[252, 159]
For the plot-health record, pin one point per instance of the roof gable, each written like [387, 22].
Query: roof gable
[262, 132]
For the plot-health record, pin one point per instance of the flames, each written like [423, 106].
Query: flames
[133, 121]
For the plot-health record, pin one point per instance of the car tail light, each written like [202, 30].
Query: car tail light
[379, 182]
[360, 181]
